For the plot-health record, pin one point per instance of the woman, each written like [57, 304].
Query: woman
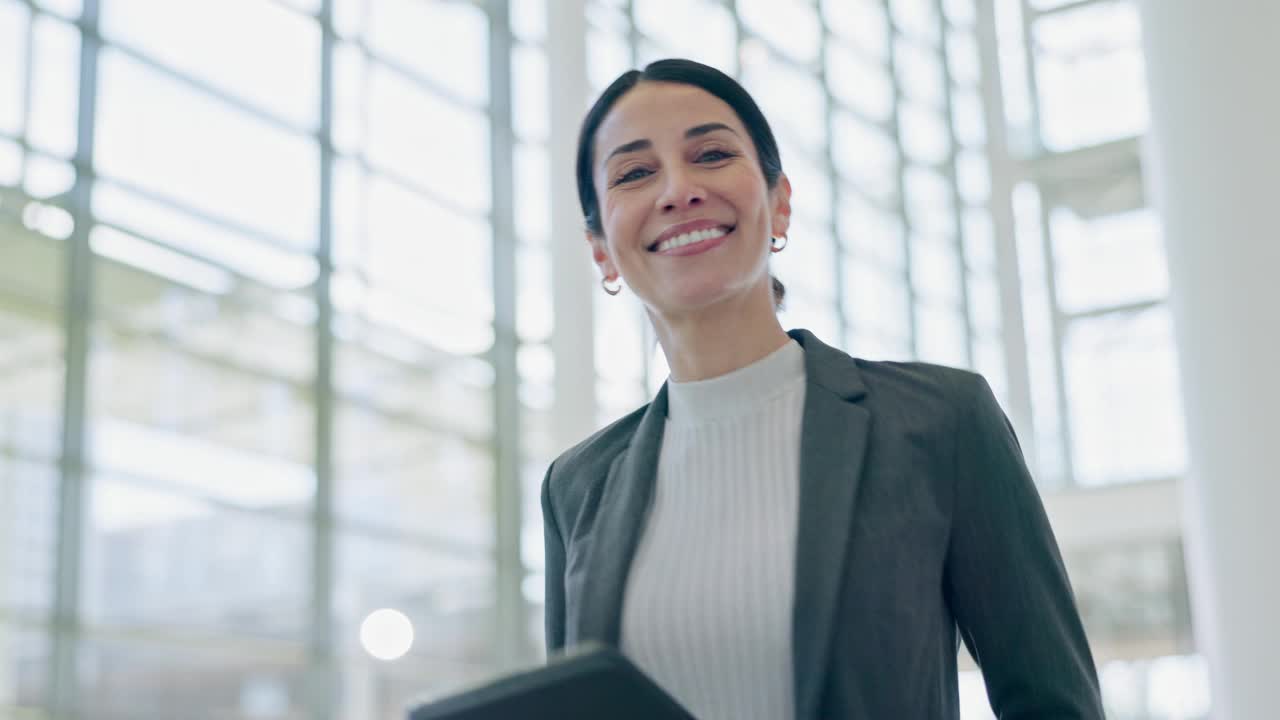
[786, 531]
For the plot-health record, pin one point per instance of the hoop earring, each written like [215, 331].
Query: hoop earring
[604, 283]
[775, 247]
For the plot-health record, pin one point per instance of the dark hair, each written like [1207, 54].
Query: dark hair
[684, 72]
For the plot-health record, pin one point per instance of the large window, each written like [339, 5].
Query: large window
[271, 385]
[1105, 400]
[1101, 368]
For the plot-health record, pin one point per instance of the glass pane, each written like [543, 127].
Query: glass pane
[349, 216]
[870, 233]
[447, 597]
[608, 56]
[275, 65]
[14, 21]
[802, 309]
[919, 71]
[916, 18]
[534, 315]
[46, 177]
[56, 71]
[307, 6]
[349, 17]
[935, 270]
[32, 269]
[446, 43]
[878, 346]
[404, 326]
[409, 239]
[1013, 74]
[924, 134]
[615, 399]
[984, 303]
[166, 137]
[964, 63]
[619, 338]
[929, 202]
[1122, 385]
[24, 675]
[193, 238]
[979, 240]
[232, 423]
[1087, 58]
[865, 155]
[529, 20]
[399, 472]
[532, 193]
[810, 187]
[968, 119]
[241, 365]
[862, 23]
[537, 442]
[940, 335]
[28, 543]
[156, 558]
[530, 112]
[858, 83]
[697, 29]
[792, 101]
[960, 12]
[10, 162]
[973, 177]
[877, 300]
[349, 103]
[70, 9]
[1109, 260]
[791, 26]
[451, 160]
[136, 679]
[808, 265]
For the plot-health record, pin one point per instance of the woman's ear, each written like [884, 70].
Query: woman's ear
[781, 198]
[600, 254]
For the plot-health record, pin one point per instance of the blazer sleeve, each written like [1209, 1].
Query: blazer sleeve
[553, 602]
[1005, 580]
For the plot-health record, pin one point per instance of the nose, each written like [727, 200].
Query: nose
[681, 192]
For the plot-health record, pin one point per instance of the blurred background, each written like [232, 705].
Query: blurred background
[295, 310]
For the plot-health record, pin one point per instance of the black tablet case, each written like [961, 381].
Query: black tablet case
[593, 682]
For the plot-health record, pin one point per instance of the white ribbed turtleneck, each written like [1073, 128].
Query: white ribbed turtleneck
[708, 602]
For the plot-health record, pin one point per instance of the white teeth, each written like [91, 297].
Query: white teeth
[689, 238]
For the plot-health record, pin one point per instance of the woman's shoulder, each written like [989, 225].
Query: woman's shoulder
[922, 380]
[886, 381]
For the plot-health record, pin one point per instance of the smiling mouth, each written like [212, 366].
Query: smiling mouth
[691, 238]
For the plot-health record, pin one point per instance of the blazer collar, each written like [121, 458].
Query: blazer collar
[833, 443]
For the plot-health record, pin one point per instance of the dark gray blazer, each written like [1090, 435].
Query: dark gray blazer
[918, 519]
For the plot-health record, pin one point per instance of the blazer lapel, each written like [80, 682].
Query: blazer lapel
[833, 442]
[624, 507]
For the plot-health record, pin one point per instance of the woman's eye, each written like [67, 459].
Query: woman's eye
[714, 156]
[631, 175]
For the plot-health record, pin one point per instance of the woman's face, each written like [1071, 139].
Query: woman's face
[687, 217]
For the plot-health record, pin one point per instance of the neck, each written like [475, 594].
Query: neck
[719, 338]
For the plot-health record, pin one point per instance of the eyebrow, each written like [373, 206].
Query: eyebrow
[692, 132]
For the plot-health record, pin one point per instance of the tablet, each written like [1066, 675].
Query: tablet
[588, 683]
